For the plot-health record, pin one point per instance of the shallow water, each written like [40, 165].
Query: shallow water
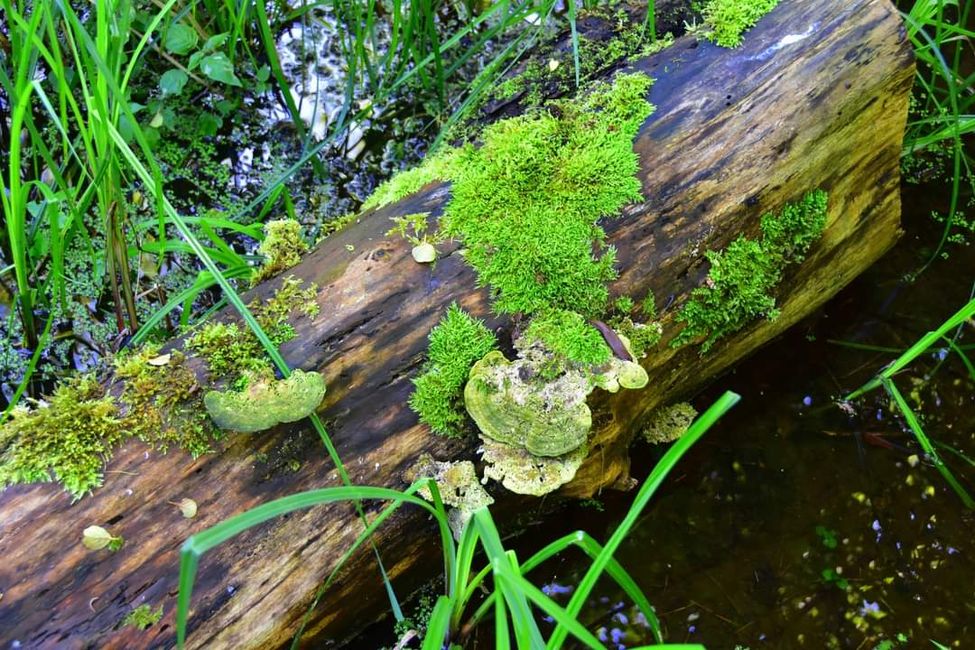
[794, 524]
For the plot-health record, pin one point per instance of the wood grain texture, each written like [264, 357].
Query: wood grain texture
[816, 97]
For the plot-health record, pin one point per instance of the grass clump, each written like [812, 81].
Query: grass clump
[456, 342]
[568, 335]
[742, 275]
[729, 19]
[143, 617]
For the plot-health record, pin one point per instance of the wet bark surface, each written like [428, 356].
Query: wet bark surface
[815, 97]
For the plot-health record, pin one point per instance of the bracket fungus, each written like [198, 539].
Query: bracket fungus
[535, 425]
[458, 486]
[264, 403]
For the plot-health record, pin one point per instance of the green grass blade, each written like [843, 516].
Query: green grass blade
[922, 438]
[919, 348]
[199, 543]
[438, 626]
[647, 490]
[526, 629]
[575, 40]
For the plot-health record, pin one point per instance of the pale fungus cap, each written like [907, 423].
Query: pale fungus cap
[264, 404]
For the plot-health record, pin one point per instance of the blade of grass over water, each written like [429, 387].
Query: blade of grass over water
[646, 492]
[914, 424]
[916, 350]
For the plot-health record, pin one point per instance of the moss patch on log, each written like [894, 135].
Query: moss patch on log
[456, 342]
[282, 248]
[143, 617]
[70, 437]
[742, 276]
[526, 205]
[230, 349]
[728, 20]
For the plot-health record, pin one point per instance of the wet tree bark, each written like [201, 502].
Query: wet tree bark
[816, 97]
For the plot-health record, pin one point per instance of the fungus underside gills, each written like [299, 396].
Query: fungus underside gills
[743, 274]
[525, 204]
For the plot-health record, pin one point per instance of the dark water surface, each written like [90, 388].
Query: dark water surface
[793, 524]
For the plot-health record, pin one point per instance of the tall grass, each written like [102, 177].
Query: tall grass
[945, 110]
[510, 596]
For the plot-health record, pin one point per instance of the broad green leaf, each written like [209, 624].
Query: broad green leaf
[217, 66]
[173, 81]
[180, 39]
[215, 41]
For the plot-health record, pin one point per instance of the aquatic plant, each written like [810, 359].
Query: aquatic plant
[742, 276]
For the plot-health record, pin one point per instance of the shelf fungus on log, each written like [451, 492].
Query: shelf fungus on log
[265, 403]
[532, 413]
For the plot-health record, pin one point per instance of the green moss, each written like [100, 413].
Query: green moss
[526, 206]
[455, 344]
[526, 203]
[160, 400]
[552, 73]
[742, 276]
[232, 350]
[727, 20]
[624, 305]
[641, 336]
[438, 167]
[282, 248]
[70, 437]
[66, 440]
[143, 617]
[567, 334]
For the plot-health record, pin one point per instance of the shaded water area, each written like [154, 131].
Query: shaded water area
[793, 523]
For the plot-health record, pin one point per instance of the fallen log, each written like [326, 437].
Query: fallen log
[816, 97]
